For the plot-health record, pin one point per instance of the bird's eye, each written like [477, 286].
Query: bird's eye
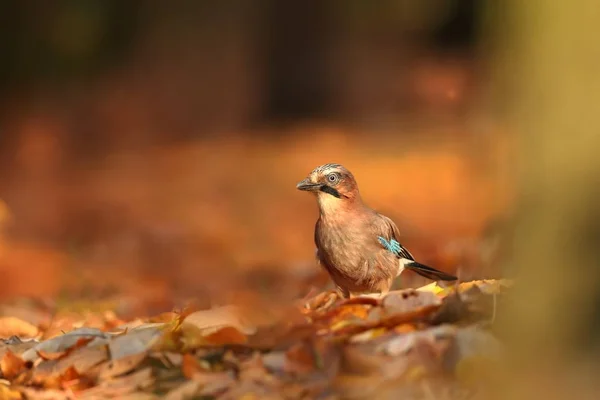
[333, 178]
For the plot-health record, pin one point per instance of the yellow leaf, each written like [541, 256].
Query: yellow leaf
[6, 393]
[433, 287]
[12, 326]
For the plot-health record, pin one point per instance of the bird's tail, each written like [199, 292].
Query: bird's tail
[429, 272]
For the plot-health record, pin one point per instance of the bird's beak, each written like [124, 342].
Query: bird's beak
[308, 186]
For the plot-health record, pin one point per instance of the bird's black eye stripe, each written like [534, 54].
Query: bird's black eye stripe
[331, 191]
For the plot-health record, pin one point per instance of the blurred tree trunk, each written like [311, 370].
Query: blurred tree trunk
[550, 59]
[296, 59]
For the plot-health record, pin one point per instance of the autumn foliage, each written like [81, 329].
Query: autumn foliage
[432, 341]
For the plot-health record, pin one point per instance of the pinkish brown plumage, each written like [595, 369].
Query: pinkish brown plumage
[357, 246]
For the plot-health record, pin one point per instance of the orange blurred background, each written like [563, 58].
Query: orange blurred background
[153, 150]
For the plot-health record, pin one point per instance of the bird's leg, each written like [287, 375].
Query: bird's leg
[342, 292]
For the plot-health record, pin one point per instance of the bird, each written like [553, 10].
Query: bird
[356, 245]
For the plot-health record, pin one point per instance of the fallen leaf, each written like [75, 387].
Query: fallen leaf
[137, 341]
[367, 335]
[402, 344]
[487, 286]
[12, 365]
[275, 361]
[301, 358]
[11, 326]
[187, 390]
[61, 343]
[120, 387]
[16, 345]
[83, 359]
[433, 287]
[403, 301]
[190, 366]
[120, 366]
[81, 342]
[209, 321]
[226, 335]
[6, 393]
[44, 394]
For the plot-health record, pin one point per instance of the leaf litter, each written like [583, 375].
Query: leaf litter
[432, 342]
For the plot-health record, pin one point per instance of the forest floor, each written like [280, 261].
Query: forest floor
[428, 343]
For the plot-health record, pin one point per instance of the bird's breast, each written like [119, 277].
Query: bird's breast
[342, 246]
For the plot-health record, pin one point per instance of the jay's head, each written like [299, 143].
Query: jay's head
[332, 183]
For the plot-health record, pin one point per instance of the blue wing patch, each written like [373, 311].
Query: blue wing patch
[395, 247]
[391, 245]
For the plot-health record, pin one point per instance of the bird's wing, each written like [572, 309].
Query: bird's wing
[389, 238]
[391, 243]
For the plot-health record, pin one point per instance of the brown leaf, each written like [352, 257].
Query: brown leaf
[69, 375]
[214, 319]
[120, 387]
[403, 301]
[391, 321]
[321, 301]
[12, 365]
[190, 366]
[72, 381]
[120, 366]
[81, 342]
[187, 390]
[344, 316]
[226, 335]
[301, 358]
[136, 341]
[11, 326]
[438, 337]
[16, 345]
[202, 384]
[6, 393]
[44, 394]
[83, 359]
[487, 286]
[281, 336]
[63, 342]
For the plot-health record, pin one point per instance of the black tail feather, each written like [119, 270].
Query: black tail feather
[429, 272]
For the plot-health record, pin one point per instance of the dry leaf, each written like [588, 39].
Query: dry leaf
[402, 344]
[433, 287]
[209, 321]
[120, 366]
[187, 390]
[16, 345]
[203, 384]
[137, 341]
[82, 359]
[12, 365]
[403, 301]
[62, 343]
[226, 335]
[6, 393]
[11, 326]
[45, 394]
[190, 366]
[81, 342]
[120, 387]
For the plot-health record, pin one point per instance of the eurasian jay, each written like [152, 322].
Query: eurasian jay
[357, 246]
